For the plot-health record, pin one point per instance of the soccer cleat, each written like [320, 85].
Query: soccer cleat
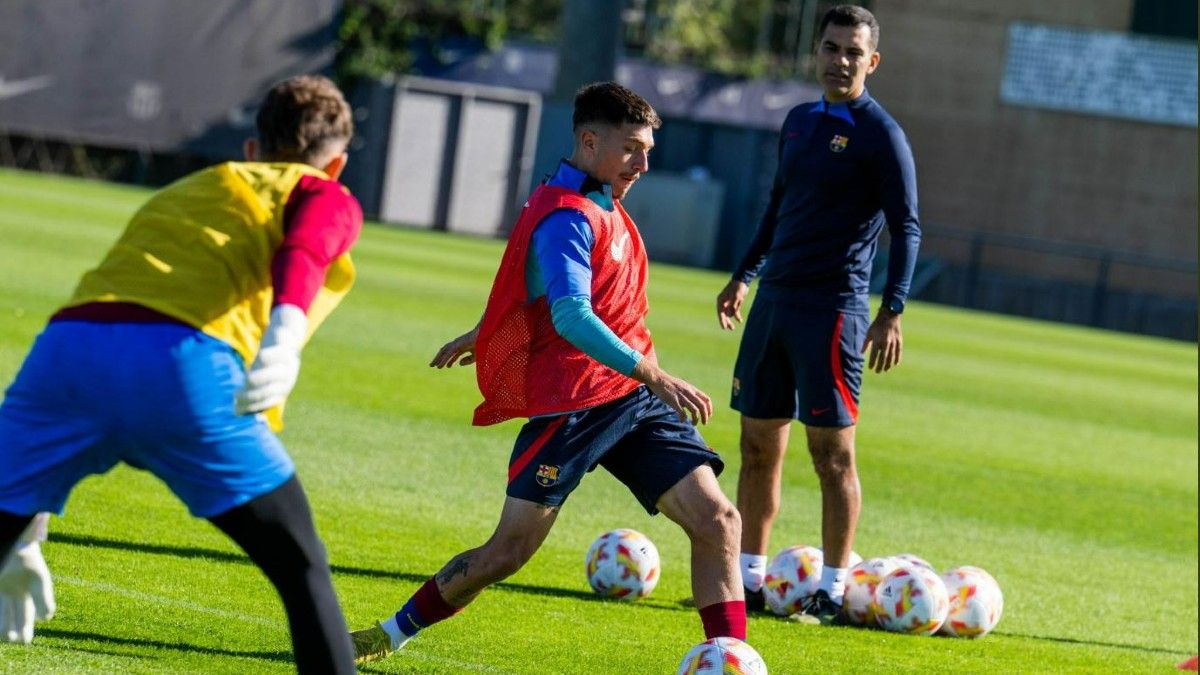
[819, 608]
[755, 601]
[373, 644]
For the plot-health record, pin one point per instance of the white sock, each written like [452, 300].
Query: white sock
[833, 582]
[392, 628]
[754, 571]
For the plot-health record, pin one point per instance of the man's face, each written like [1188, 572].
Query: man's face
[617, 155]
[844, 59]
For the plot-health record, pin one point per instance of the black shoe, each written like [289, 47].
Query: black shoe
[755, 601]
[820, 608]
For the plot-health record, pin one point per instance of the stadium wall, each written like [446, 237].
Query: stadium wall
[984, 165]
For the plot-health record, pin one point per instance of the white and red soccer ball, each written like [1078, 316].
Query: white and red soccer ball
[914, 559]
[793, 575]
[622, 564]
[976, 602]
[859, 602]
[722, 656]
[912, 599]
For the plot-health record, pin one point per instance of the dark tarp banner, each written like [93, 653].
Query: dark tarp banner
[154, 75]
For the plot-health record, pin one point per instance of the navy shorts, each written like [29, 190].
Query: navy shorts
[158, 397]
[800, 362]
[639, 439]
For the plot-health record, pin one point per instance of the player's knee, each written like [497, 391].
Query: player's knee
[729, 523]
[718, 526]
[760, 454]
[835, 468]
[295, 555]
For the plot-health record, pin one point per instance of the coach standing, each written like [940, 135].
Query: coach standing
[845, 168]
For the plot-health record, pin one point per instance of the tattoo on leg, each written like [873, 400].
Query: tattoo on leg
[459, 565]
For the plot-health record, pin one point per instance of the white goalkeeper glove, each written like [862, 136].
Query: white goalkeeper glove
[26, 590]
[275, 369]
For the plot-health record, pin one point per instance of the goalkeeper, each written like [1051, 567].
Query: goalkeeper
[235, 264]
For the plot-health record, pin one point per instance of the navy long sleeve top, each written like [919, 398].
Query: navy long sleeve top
[845, 169]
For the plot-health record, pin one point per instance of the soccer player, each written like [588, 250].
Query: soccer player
[234, 264]
[845, 168]
[563, 342]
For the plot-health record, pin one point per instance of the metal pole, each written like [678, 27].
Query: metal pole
[1100, 294]
[974, 263]
[589, 31]
[588, 45]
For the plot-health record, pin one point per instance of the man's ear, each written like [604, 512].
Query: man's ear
[335, 166]
[250, 149]
[588, 141]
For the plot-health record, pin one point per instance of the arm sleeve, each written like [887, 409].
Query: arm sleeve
[321, 221]
[899, 174]
[561, 251]
[756, 256]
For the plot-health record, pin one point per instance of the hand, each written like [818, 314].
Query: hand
[687, 400]
[885, 342]
[462, 346]
[26, 593]
[729, 303]
[274, 372]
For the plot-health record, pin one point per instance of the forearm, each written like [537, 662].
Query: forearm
[902, 261]
[576, 323]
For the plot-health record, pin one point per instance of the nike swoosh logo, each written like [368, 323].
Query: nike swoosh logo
[820, 411]
[617, 248]
[14, 88]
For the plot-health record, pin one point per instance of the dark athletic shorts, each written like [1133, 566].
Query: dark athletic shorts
[800, 362]
[639, 439]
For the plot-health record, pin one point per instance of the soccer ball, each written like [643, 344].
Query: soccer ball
[913, 559]
[793, 575]
[976, 602]
[859, 603]
[722, 656]
[622, 564]
[912, 600]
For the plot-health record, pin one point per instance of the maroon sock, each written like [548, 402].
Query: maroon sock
[425, 608]
[724, 619]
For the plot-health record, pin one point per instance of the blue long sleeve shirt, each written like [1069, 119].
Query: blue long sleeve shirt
[559, 267]
[845, 169]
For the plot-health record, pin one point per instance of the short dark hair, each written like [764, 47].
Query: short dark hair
[610, 103]
[851, 16]
[301, 118]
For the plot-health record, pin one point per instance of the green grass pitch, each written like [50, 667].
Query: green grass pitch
[1063, 460]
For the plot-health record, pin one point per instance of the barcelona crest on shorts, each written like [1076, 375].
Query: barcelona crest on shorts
[838, 143]
[547, 475]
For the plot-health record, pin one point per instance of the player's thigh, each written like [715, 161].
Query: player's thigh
[826, 353]
[55, 419]
[658, 452]
[552, 454]
[763, 381]
[185, 431]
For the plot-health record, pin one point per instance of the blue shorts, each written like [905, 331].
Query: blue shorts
[156, 396]
[800, 362]
[639, 439]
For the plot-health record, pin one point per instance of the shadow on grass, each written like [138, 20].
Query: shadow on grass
[1096, 643]
[194, 552]
[72, 635]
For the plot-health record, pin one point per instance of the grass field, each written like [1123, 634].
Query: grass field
[1063, 460]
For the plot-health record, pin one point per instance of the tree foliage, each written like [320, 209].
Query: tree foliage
[745, 37]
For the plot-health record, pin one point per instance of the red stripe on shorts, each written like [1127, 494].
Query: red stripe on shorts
[526, 457]
[839, 378]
